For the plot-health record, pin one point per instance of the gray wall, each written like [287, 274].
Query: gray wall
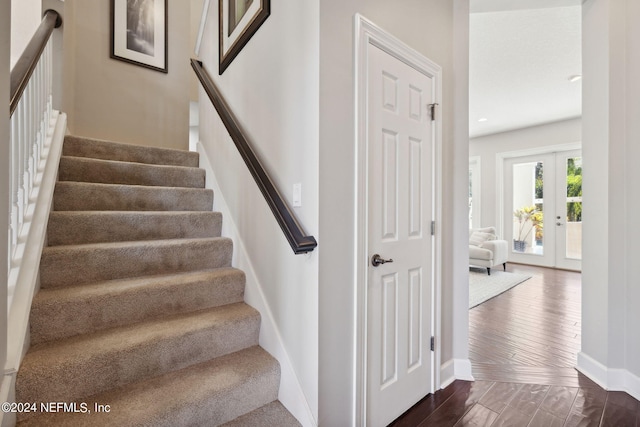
[272, 88]
[110, 99]
[610, 291]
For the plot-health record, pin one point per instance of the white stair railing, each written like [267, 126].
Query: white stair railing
[35, 145]
[32, 124]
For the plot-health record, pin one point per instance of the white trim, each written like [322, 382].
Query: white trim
[462, 369]
[455, 369]
[290, 392]
[502, 157]
[24, 276]
[365, 33]
[608, 378]
[203, 23]
[475, 164]
[7, 394]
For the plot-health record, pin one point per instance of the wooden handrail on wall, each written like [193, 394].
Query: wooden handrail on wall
[22, 71]
[299, 241]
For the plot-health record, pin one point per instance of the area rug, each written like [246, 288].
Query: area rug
[483, 287]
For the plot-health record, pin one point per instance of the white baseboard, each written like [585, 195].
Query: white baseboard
[611, 379]
[455, 369]
[7, 394]
[290, 392]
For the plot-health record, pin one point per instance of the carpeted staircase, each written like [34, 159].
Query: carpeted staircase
[139, 307]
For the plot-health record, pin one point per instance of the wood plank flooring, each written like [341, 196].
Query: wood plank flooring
[531, 333]
[523, 347]
[498, 404]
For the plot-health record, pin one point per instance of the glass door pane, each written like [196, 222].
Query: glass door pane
[573, 194]
[528, 208]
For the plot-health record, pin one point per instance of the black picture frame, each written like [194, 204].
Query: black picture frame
[235, 30]
[139, 33]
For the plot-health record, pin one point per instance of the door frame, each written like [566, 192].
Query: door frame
[475, 165]
[501, 158]
[366, 32]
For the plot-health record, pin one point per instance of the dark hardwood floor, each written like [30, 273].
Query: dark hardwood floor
[531, 333]
[523, 347]
[487, 403]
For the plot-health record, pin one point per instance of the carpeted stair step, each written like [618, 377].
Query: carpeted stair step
[79, 227]
[73, 265]
[82, 196]
[82, 169]
[207, 394]
[67, 370]
[272, 414]
[108, 150]
[138, 306]
[65, 312]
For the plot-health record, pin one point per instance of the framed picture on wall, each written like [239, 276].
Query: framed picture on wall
[139, 32]
[238, 22]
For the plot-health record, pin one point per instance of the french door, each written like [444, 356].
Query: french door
[543, 209]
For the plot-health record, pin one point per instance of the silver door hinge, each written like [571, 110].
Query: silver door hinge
[432, 110]
[433, 228]
[433, 343]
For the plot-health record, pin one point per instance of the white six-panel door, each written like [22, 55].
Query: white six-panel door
[400, 211]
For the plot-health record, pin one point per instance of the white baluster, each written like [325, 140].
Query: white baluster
[22, 115]
[32, 134]
[37, 125]
[49, 81]
[15, 181]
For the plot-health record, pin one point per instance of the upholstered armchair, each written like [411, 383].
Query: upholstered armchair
[485, 250]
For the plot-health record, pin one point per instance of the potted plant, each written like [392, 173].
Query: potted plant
[529, 218]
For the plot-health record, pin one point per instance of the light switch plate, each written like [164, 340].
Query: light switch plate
[297, 195]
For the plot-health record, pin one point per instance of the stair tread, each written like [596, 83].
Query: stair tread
[86, 169]
[81, 227]
[70, 195]
[86, 263]
[130, 244]
[103, 149]
[106, 287]
[90, 345]
[191, 396]
[132, 187]
[67, 369]
[271, 414]
[64, 312]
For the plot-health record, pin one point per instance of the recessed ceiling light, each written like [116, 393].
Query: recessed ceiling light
[482, 120]
[575, 78]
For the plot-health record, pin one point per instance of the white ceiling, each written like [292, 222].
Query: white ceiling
[520, 62]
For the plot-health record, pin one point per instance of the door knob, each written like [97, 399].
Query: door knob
[377, 260]
[558, 223]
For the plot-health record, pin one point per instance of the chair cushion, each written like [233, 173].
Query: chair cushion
[476, 252]
[477, 238]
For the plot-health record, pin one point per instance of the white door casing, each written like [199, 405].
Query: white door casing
[475, 171]
[398, 150]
